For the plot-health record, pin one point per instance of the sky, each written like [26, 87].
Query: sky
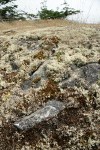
[90, 8]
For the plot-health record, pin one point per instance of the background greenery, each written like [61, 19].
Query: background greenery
[8, 11]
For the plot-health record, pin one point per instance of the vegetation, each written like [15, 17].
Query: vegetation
[40, 55]
[45, 13]
[8, 11]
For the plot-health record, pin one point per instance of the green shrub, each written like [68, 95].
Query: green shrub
[45, 13]
[8, 11]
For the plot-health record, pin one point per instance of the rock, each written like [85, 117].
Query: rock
[37, 73]
[50, 110]
[26, 84]
[91, 72]
[71, 83]
[85, 76]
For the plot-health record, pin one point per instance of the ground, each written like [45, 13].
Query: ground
[50, 60]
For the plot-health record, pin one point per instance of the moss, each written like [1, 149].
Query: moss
[51, 89]
[61, 130]
[37, 79]
[10, 77]
[55, 40]
[50, 42]
[26, 62]
[40, 55]
[10, 138]
[88, 133]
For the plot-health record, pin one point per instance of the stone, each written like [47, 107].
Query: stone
[85, 76]
[50, 110]
[26, 84]
[91, 72]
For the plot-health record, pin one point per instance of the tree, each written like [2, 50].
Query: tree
[8, 10]
[45, 13]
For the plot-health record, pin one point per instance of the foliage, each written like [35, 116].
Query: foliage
[8, 10]
[45, 13]
[2, 2]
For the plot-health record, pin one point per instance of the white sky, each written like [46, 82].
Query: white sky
[90, 8]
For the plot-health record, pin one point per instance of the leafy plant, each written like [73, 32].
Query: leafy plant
[45, 13]
[8, 10]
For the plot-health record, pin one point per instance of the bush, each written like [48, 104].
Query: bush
[8, 11]
[50, 14]
[45, 13]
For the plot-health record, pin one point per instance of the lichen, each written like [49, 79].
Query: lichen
[34, 65]
[78, 62]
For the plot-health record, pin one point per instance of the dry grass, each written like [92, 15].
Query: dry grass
[21, 25]
[31, 25]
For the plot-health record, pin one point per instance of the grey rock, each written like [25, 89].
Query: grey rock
[50, 110]
[90, 73]
[39, 72]
[72, 83]
[26, 84]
